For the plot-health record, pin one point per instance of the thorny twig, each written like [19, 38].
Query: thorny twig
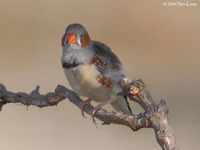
[154, 116]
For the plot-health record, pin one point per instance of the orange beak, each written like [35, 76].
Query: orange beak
[72, 38]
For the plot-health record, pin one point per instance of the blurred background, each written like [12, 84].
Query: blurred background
[156, 43]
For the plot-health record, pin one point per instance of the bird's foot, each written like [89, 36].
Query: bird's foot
[96, 109]
[94, 112]
[81, 105]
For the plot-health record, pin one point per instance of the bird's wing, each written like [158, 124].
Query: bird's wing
[109, 64]
[110, 67]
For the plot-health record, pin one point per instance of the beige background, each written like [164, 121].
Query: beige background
[156, 43]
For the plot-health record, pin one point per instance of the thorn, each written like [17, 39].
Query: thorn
[36, 91]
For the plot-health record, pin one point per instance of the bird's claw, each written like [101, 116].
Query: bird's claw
[81, 105]
[93, 113]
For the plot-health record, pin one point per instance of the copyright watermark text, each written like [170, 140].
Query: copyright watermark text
[180, 4]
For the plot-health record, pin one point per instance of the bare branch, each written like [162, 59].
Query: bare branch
[154, 116]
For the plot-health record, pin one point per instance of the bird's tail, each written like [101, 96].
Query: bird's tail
[121, 104]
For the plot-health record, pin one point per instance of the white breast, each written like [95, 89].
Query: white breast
[83, 80]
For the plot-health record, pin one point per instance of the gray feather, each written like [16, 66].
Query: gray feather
[113, 67]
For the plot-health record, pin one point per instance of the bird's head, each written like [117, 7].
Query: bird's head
[76, 36]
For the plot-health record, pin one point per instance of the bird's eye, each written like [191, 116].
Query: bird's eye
[63, 39]
[85, 40]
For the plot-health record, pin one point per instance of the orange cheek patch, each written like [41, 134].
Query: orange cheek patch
[85, 41]
[71, 38]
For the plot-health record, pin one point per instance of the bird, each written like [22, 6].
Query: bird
[93, 70]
